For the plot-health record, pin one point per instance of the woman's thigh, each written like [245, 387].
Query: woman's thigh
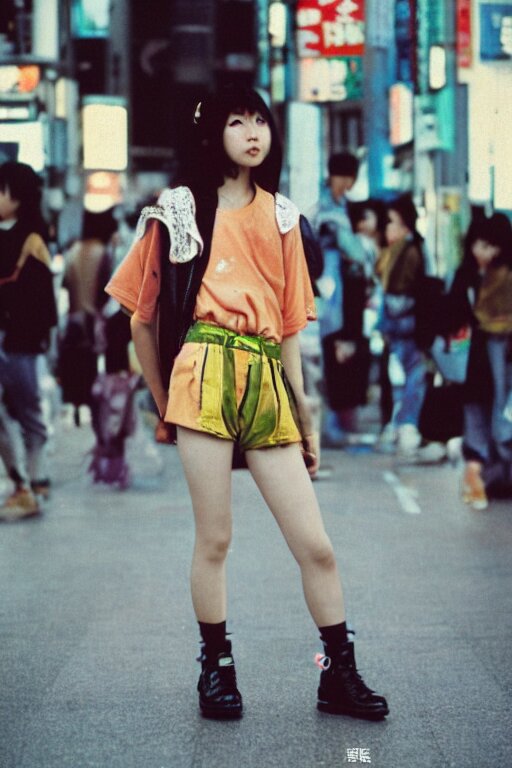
[207, 464]
[284, 483]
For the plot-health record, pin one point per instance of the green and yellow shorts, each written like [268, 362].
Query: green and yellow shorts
[233, 387]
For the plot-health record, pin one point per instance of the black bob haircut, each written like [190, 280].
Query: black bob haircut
[209, 164]
[495, 230]
[25, 186]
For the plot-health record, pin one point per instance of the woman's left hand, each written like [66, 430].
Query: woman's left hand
[311, 453]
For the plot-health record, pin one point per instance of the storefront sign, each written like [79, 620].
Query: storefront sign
[464, 49]
[330, 28]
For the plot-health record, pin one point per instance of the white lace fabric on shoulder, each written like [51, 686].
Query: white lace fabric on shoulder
[176, 209]
[287, 213]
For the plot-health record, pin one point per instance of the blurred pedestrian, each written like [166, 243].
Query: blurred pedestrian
[240, 293]
[88, 267]
[343, 288]
[481, 296]
[401, 269]
[369, 223]
[27, 313]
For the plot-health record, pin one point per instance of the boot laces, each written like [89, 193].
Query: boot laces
[348, 671]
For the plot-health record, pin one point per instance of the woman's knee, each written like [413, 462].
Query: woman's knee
[319, 553]
[214, 546]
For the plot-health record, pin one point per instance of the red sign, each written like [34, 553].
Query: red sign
[464, 51]
[330, 28]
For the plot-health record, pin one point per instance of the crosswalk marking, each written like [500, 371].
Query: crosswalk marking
[406, 496]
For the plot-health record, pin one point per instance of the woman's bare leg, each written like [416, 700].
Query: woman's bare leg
[284, 483]
[207, 464]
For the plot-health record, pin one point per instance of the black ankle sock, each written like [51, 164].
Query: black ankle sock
[334, 636]
[214, 638]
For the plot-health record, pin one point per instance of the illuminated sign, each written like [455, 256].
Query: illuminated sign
[464, 49]
[90, 18]
[29, 140]
[330, 79]
[330, 28]
[15, 80]
[401, 123]
[496, 31]
[105, 133]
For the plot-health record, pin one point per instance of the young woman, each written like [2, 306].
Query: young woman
[481, 297]
[236, 304]
[400, 268]
[27, 312]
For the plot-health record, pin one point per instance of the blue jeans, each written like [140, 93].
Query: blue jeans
[487, 434]
[22, 412]
[408, 394]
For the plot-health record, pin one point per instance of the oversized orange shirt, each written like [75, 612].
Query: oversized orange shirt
[256, 281]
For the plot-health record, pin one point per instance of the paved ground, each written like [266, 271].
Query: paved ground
[98, 639]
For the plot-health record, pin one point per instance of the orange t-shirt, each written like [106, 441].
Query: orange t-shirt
[256, 281]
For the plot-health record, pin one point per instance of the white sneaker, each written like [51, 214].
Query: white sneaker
[409, 440]
[431, 453]
[386, 440]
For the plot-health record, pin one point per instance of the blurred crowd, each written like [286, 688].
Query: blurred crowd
[432, 356]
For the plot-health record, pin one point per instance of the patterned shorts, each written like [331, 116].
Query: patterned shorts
[233, 387]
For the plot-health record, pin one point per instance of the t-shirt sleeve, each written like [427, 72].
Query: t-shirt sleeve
[136, 282]
[299, 300]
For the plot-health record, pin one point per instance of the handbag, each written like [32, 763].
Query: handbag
[451, 355]
[442, 413]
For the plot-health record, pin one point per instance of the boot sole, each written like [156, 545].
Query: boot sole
[336, 709]
[221, 714]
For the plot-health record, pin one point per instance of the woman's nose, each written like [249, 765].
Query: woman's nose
[252, 133]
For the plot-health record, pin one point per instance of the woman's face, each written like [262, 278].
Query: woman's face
[247, 139]
[8, 206]
[368, 223]
[395, 228]
[484, 252]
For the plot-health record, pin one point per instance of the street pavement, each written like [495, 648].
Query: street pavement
[98, 639]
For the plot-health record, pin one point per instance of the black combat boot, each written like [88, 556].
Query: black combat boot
[343, 692]
[218, 695]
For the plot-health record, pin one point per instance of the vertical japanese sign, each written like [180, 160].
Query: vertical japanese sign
[330, 46]
[464, 48]
[330, 28]
[406, 41]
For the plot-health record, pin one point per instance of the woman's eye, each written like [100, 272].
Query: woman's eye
[235, 121]
[261, 120]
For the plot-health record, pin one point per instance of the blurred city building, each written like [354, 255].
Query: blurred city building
[97, 95]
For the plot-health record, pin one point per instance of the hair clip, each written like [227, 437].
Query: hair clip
[197, 113]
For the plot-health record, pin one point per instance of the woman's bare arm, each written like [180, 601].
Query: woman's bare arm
[145, 343]
[290, 357]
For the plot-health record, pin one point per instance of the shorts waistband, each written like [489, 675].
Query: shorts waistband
[214, 334]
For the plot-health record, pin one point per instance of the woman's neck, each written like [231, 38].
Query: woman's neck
[236, 193]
